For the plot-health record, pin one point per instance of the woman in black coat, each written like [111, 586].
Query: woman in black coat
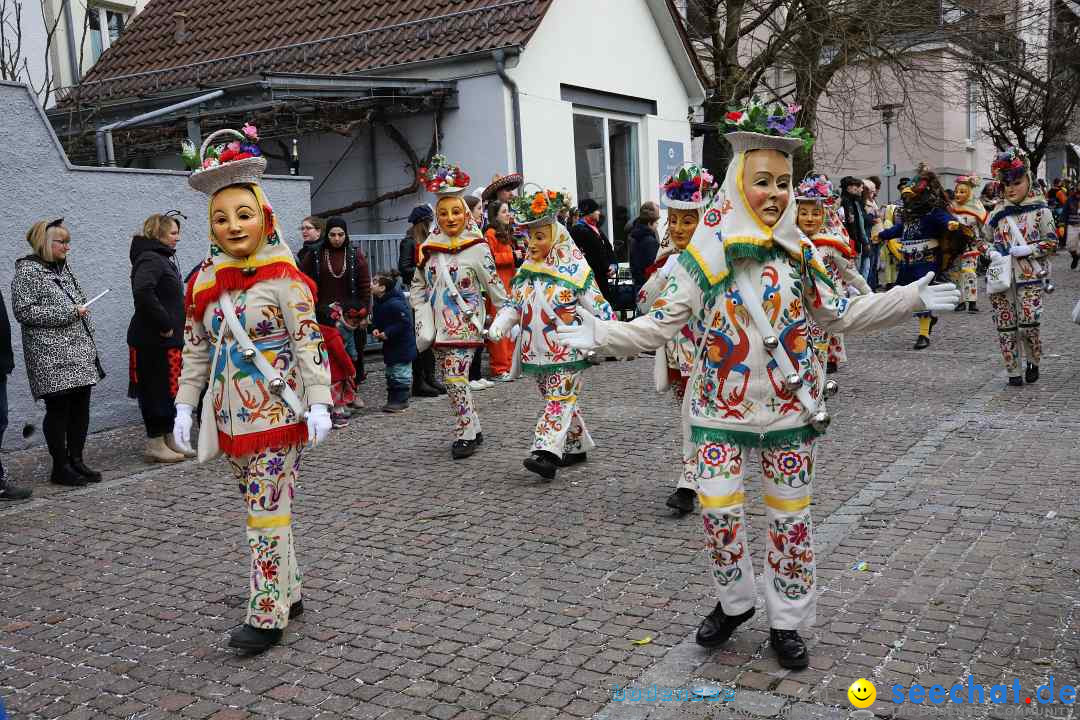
[156, 333]
[595, 246]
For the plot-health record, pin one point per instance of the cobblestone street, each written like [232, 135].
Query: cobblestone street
[469, 589]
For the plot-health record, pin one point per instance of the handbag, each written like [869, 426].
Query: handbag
[999, 274]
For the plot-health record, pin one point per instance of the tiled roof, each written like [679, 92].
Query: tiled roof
[229, 40]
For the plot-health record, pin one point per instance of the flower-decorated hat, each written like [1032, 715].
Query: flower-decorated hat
[815, 188]
[971, 181]
[689, 188]
[214, 167]
[538, 208]
[761, 127]
[1010, 165]
[443, 178]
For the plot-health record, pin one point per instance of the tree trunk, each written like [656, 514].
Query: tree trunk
[716, 153]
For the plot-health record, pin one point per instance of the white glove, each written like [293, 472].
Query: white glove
[515, 331]
[586, 335]
[937, 297]
[995, 255]
[505, 320]
[318, 423]
[1019, 251]
[669, 265]
[181, 428]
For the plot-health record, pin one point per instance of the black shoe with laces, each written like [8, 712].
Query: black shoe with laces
[254, 640]
[717, 627]
[1031, 374]
[542, 463]
[790, 649]
[462, 449]
[91, 476]
[66, 475]
[682, 500]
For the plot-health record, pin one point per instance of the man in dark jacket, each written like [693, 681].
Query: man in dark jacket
[854, 213]
[594, 245]
[8, 491]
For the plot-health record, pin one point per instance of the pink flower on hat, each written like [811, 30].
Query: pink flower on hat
[250, 132]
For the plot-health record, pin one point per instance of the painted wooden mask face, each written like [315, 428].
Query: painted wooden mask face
[767, 184]
[811, 218]
[237, 221]
[541, 238]
[451, 214]
[681, 226]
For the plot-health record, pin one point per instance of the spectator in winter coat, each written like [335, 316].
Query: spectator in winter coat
[8, 491]
[394, 328]
[62, 362]
[155, 335]
[595, 246]
[851, 199]
[644, 243]
[311, 230]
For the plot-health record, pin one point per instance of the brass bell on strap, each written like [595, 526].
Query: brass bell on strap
[277, 386]
[793, 382]
[248, 355]
[831, 388]
[1049, 286]
[772, 342]
[821, 420]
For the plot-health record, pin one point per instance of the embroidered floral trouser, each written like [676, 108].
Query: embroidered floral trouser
[455, 362]
[267, 479]
[688, 451]
[789, 551]
[1017, 311]
[561, 429]
[963, 274]
[830, 348]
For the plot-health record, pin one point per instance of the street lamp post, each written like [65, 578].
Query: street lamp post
[888, 114]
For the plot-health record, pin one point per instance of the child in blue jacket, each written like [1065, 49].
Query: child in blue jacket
[393, 325]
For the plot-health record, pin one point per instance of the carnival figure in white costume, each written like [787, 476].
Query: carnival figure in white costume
[968, 210]
[757, 386]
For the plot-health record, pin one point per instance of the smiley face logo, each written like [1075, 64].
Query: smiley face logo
[862, 693]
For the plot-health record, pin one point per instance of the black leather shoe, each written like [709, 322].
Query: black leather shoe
[542, 463]
[922, 342]
[790, 649]
[1031, 374]
[66, 475]
[422, 389]
[681, 501]
[296, 609]
[569, 459]
[830, 368]
[254, 640]
[91, 476]
[1016, 381]
[462, 449]
[717, 627]
[973, 309]
[479, 439]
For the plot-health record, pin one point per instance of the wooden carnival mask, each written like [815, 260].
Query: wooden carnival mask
[452, 215]
[811, 218]
[681, 226]
[237, 222]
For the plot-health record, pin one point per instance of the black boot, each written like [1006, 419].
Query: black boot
[922, 342]
[1075, 261]
[9, 491]
[972, 308]
[462, 449]
[1016, 381]
[1031, 374]
[431, 377]
[397, 400]
[682, 500]
[64, 474]
[254, 640]
[569, 459]
[542, 463]
[790, 649]
[420, 388]
[91, 476]
[717, 626]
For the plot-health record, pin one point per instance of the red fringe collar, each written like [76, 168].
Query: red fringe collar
[837, 244]
[241, 445]
[229, 279]
[425, 250]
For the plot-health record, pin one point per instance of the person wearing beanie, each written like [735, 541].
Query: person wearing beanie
[752, 280]
[1023, 237]
[594, 245]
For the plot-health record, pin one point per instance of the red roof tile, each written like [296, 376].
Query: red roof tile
[232, 40]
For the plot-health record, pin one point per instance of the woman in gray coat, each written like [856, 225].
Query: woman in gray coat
[62, 361]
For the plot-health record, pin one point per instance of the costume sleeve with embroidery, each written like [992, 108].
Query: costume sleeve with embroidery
[1048, 240]
[838, 314]
[650, 291]
[419, 292]
[852, 277]
[489, 278]
[592, 299]
[195, 370]
[680, 299]
[298, 312]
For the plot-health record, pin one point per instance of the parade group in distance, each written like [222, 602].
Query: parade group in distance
[745, 304]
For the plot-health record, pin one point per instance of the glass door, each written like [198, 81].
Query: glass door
[625, 183]
[606, 153]
[591, 159]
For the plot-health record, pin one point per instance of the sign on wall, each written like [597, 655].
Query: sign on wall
[671, 157]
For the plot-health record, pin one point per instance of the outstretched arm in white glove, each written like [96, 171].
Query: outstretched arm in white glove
[587, 334]
[182, 427]
[937, 297]
[504, 322]
[318, 423]
[1019, 251]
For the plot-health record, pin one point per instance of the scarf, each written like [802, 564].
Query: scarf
[221, 272]
[1006, 209]
[973, 207]
[565, 264]
[437, 241]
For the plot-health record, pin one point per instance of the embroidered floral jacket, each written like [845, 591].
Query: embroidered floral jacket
[736, 392]
[278, 315]
[1036, 225]
[448, 291]
[678, 352]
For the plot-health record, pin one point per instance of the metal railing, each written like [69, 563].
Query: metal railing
[381, 252]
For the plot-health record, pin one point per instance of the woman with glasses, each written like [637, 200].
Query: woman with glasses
[62, 360]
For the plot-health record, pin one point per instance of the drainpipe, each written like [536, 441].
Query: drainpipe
[499, 56]
[103, 135]
[73, 52]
